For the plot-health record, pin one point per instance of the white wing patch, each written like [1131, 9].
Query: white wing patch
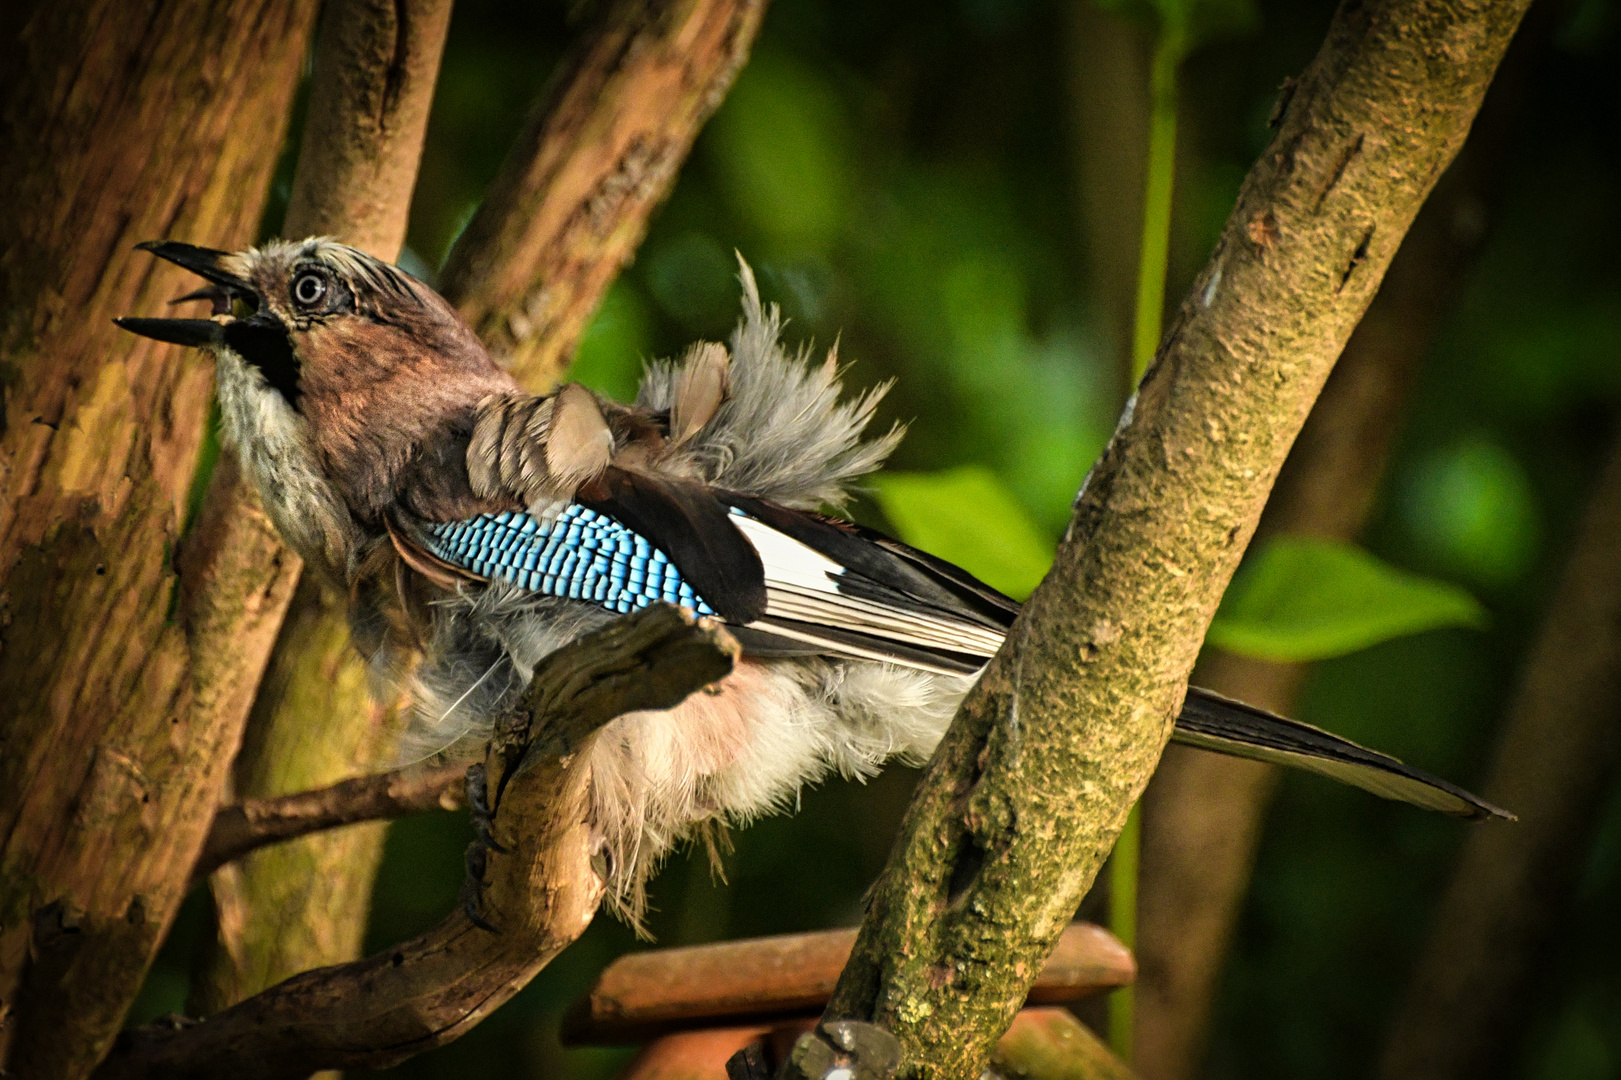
[802, 585]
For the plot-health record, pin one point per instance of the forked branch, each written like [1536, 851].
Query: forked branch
[540, 892]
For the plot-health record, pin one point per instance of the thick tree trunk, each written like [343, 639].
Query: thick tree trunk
[1032, 783]
[122, 122]
[304, 904]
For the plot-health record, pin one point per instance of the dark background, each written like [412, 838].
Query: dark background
[902, 177]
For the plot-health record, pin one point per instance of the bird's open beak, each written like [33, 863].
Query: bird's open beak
[224, 288]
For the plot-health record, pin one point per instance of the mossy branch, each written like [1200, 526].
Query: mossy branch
[1032, 783]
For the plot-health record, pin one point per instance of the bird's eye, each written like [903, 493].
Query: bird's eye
[308, 289]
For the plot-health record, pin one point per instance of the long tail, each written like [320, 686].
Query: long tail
[1212, 722]
[834, 588]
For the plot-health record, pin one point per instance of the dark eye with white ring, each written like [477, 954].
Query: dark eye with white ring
[309, 288]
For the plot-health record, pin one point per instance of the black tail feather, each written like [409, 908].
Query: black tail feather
[1212, 722]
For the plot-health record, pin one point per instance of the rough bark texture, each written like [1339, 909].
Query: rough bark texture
[305, 904]
[646, 71]
[1464, 1014]
[765, 980]
[1033, 781]
[254, 823]
[121, 122]
[539, 893]
[572, 201]
[1204, 813]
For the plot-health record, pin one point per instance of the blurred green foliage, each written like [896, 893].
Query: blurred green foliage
[966, 516]
[1192, 23]
[902, 178]
[1302, 598]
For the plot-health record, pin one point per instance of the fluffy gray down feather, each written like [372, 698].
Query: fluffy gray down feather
[661, 778]
[782, 434]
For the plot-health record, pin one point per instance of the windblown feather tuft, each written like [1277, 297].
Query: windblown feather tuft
[781, 433]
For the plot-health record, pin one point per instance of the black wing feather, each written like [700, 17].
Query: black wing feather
[892, 571]
[687, 523]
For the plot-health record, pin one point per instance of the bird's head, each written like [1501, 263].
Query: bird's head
[324, 345]
[317, 317]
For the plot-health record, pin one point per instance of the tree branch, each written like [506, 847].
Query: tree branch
[1556, 760]
[254, 823]
[572, 201]
[376, 63]
[1203, 813]
[540, 894]
[1033, 781]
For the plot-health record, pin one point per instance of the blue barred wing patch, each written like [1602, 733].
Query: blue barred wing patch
[582, 555]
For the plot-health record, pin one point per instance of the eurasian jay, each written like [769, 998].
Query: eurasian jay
[478, 528]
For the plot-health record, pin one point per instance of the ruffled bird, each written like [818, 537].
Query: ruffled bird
[478, 528]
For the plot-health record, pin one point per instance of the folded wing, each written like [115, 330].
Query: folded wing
[802, 584]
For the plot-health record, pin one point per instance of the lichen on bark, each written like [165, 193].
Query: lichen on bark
[1033, 781]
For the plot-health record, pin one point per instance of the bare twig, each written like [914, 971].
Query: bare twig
[1556, 760]
[1033, 781]
[540, 891]
[572, 201]
[760, 981]
[253, 823]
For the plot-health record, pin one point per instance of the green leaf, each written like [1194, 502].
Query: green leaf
[1300, 598]
[966, 516]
